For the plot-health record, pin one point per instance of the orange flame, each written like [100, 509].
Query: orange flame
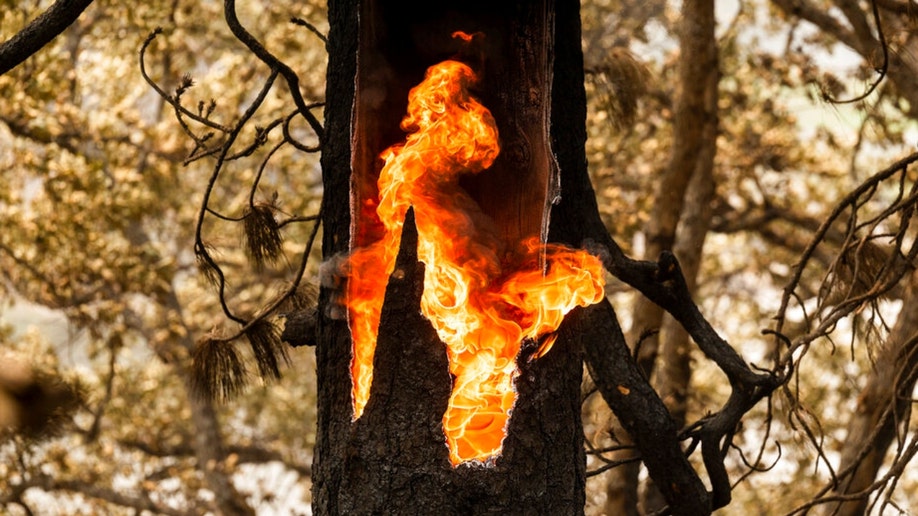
[483, 298]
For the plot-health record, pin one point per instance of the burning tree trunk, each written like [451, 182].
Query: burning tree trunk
[401, 454]
[395, 457]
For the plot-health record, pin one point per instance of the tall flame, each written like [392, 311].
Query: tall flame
[483, 296]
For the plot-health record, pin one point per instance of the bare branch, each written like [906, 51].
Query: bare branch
[47, 26]
[293, 81]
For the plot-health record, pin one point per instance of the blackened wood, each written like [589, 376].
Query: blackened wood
[542, 467]
[333, 348]
[39, 32]
[300, 328]
[640, 411]
[397, 458]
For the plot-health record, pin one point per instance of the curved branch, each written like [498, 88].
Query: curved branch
[293, 81]
[200, 248]
[173, 101]
[47, 26]
[864, 33]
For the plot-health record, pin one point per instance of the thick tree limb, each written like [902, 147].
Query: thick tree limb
[39, 32]
[640, 411]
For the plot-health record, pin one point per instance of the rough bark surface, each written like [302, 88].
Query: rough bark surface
[394, 459]
[333, 353]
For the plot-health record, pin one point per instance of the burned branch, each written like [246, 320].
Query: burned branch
[39, 32]
[262, 230]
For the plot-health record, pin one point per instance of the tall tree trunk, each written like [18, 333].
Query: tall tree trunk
[394, 459]
[694, 147]
[882, 407]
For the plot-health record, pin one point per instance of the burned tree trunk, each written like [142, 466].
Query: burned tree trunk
[393, 459]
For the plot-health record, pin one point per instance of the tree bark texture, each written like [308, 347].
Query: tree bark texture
[394, 458]
[882, 408]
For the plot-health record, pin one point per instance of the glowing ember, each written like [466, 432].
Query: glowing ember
[483, 297]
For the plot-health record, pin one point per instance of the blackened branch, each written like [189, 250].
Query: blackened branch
[640, 410]
[293, 81]
[39, 32]
[663, 283]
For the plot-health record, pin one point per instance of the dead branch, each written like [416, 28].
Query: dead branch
[640, 410]
[47, 26]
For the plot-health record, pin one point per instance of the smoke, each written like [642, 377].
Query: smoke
[333, 278]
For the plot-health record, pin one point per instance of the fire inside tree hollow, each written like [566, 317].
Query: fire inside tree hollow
[484, 294]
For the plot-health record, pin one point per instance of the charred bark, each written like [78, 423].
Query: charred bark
[39, 32]
[394, 458]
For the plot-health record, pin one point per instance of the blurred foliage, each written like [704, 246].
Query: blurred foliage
[98, 203]
[99, 194]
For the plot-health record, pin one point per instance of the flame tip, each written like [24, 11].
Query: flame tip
[465, 36]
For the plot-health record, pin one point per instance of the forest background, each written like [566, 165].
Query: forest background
[102, 298]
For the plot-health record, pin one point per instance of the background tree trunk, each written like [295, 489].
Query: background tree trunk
[694, 147]
[674, 369]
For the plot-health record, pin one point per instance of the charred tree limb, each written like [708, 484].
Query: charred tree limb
[39, 32]
[293, 81]
[300, 327]
[640, 411]
[663, 283]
